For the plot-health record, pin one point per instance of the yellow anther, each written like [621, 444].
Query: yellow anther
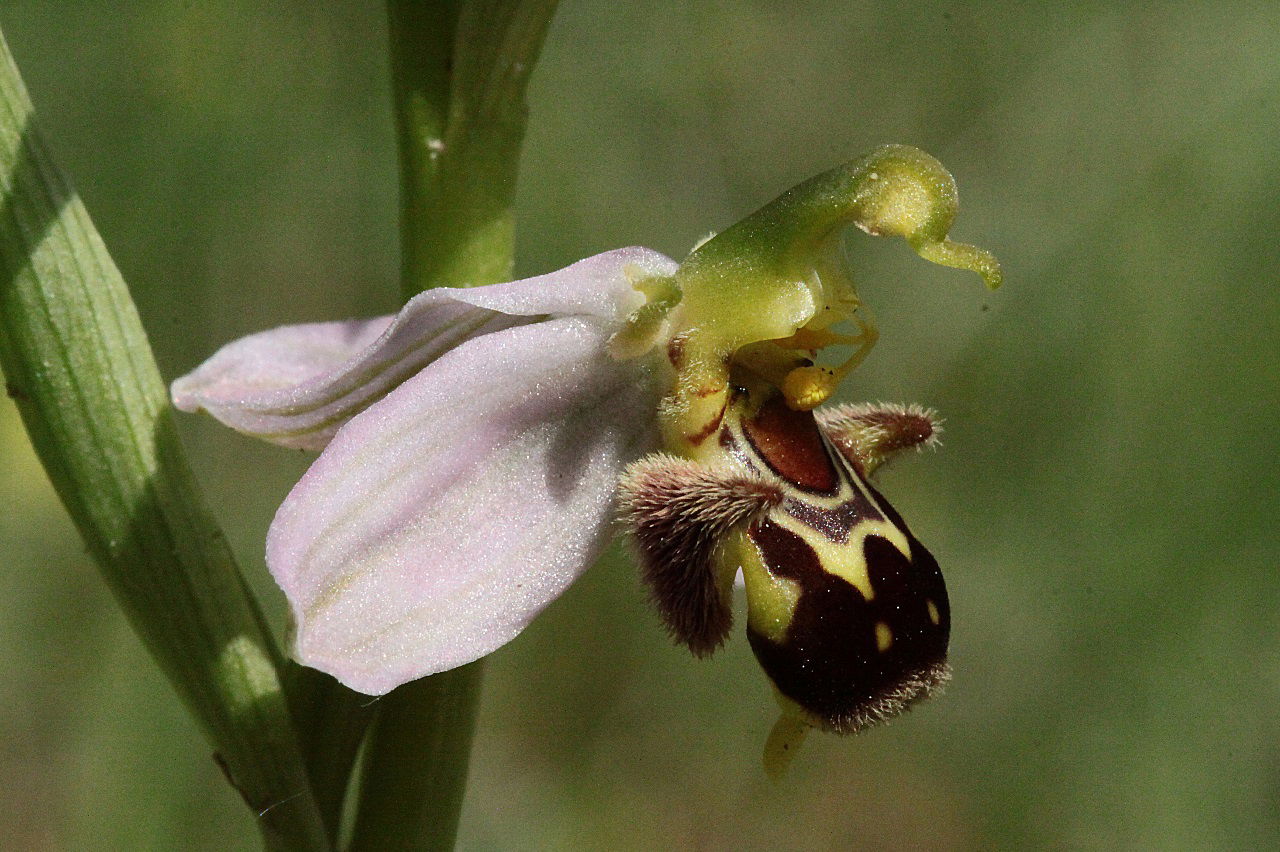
[805, 388]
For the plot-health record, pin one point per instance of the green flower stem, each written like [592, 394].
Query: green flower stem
[420, 747]
[79, 367]
[331, 721]
[460, 70]
[422, 33]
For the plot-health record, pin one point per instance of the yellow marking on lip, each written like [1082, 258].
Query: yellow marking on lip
[884, 636]
[934, 615]
[846, 561]
[771, 600]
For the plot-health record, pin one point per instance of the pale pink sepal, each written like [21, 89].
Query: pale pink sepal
[297, 385]
[441, 520]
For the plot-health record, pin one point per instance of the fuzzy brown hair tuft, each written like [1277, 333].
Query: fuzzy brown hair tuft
[678, 513]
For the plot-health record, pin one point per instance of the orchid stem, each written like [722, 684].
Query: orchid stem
[460, 69]
[422, 36]
[418, 756]
[332, 721]
[459, 73]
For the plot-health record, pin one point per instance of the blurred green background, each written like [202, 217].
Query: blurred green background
[1104, 508]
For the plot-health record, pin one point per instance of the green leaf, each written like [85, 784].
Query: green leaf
[79, 367]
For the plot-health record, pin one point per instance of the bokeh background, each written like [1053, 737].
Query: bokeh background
[1104, 507]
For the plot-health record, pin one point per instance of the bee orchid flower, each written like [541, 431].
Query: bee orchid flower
[477, 447]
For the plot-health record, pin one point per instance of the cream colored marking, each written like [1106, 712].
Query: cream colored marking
[847, 561]
[771, 601]
[934, 616]
[884, 636]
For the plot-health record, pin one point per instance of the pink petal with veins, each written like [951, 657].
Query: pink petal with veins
[442, 519]
[297, 385]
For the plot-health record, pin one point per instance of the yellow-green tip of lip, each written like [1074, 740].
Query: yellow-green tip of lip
[784, 742]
